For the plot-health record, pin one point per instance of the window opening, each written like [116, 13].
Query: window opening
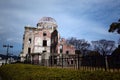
[44, 43]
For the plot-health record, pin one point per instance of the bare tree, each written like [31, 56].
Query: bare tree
[80, 44]
[104, 47]
[81, 48]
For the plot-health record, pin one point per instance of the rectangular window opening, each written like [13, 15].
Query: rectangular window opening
[44, 43]
[29, 50]
[61, 48]
[44, 51]
[67, 52]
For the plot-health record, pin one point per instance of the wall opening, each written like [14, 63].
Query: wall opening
[44, 43]
[29, 50]
[71, 61]
[44, 34]
[44, 51]
[67, 52]
[61, 48]
[29, 40]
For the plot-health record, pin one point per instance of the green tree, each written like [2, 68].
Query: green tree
[115, 27]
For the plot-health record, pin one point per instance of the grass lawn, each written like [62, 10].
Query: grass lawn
[34, 72]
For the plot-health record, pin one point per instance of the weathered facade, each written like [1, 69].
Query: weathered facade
[43, 41]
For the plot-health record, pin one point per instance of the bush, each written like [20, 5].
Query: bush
[34, 72]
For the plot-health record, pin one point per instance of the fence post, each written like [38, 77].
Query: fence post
[78, 61]
[51, 61]
[77, 52]
[62, 60]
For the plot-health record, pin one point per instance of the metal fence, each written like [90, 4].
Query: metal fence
[78, 62]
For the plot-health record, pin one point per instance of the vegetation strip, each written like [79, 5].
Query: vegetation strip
[34, 72]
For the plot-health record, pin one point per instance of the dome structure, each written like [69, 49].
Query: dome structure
[47, 20]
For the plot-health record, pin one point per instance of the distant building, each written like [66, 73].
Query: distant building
[43, 41]
[10, 59]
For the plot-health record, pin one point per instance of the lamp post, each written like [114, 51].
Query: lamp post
[8, 46]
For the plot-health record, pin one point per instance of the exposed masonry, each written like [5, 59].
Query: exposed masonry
[43, 41]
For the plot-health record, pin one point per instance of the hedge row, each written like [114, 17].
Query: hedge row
[34, 72]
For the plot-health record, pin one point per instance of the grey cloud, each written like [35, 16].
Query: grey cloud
[77, 15]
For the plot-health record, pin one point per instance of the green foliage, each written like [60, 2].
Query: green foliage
[115, 27]
[34, 72]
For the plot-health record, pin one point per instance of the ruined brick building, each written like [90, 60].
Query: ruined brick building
[43, 41]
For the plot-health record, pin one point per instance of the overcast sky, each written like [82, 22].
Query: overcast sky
[83, 19]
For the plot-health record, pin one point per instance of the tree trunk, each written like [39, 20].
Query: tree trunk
[106, 63]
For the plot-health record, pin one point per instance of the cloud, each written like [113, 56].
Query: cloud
[88, 19]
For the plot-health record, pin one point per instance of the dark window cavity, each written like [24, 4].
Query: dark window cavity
[44, 34]
[44, 43]
[29, 50]
[30, 40]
